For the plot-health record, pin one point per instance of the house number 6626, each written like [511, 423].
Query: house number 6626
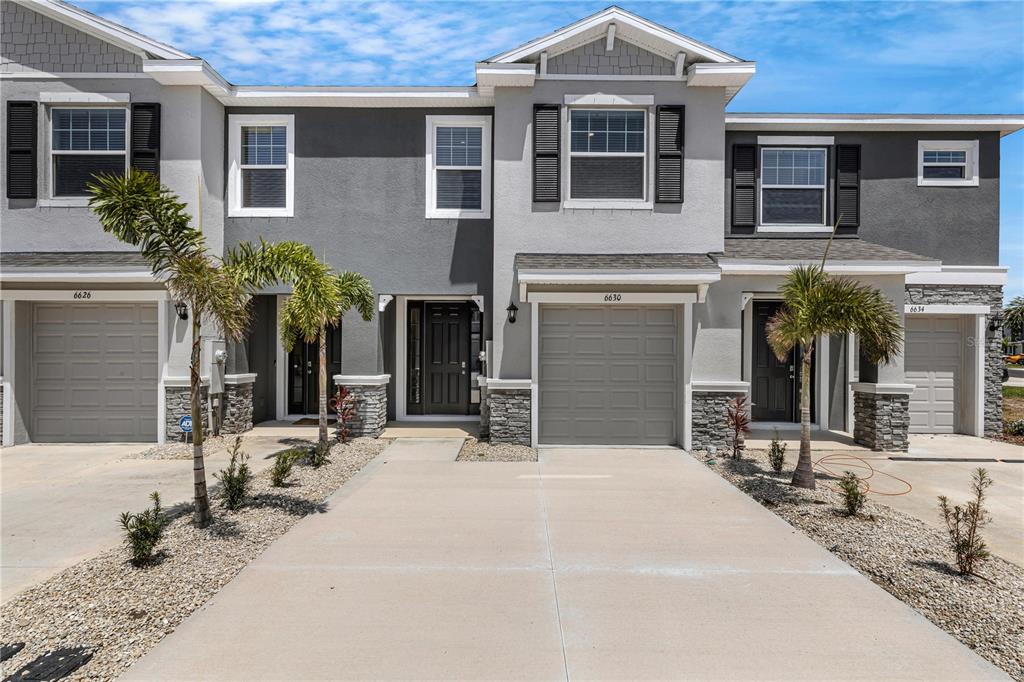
[611, 298]
[83, 294]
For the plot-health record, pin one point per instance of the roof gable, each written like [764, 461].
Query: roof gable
[628, 26]
[624, 58]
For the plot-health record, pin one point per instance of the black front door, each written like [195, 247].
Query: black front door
[446, 365]
[304, 372]
[772, 386]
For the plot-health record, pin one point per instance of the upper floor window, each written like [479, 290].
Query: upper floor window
[458, 167]
[608, 154]
[793, 189]
[261, 180]
[86, 142]
[947, 163]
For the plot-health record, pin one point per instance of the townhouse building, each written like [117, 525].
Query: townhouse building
[584, 247]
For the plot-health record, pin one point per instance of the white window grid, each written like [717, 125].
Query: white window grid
[237, 123]
[568, 170]
[823, 186]
[484, 124]
[945, 153]
[84, 152]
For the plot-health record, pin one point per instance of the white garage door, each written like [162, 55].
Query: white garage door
[607, 375]
[94, 372]
[932, 363]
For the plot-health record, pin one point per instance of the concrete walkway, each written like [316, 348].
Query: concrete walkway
[59, 504]
[589, 565]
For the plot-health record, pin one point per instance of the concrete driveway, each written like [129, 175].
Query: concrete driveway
[589, 565]
[60, 504]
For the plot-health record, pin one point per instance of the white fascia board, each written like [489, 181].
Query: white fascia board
[77, 277]
[1004, 124]
[978, 275]
[627, 26]
[944, 309]
[731, 75]
[664, 278]
[745, 267]
[505, 75]
[103, 29]
[357, 97]
[187, 72]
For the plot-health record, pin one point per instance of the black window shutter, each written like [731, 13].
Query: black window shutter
[848, 185]
[547, 141]
[145, 150]
[22, 140]
[671, 123]
[744, 185]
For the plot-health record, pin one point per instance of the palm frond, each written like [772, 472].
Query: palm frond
[211, 293]
[784, 332]
[263, 264]
[1013, 314]
[357, 293]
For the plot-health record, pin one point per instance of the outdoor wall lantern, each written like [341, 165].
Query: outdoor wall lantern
[181, 309]
[512, 309]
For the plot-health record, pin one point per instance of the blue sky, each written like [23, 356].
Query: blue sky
[913, 57]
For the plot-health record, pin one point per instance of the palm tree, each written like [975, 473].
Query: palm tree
[816, 303]
[139, 211]
[318, 301]
[1013, 315]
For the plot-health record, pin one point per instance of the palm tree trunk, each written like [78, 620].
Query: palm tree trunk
[803, 476]
[323, 384]
[202, 516]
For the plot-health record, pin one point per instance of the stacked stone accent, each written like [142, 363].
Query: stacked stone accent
[624, 59]
[33, 42]
[1, 414]
[371, 410]
[485, 415]
[509, 416]
[710, 421]
[237, 408]
[992, 296]
[177, 404]
[881, 421]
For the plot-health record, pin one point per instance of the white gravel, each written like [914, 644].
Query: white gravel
[478, 451]
[123, 612]
[906, 557]
[211, 445]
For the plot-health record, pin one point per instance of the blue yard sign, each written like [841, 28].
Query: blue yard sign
[185, 424]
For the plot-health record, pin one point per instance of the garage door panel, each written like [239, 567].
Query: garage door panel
[660, 345]
[590, 371]
[94, 372]
[618, 317]
[934, 347]
[555, 345]
[659, 317]
[588, 345]
[659, 400]
[625, 399]
[620, 371]
[587, 316]
[624, 345]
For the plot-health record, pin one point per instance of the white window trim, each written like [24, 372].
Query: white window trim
[235, 124]
[970, 178]
[644, 203]
[484, 123]
[762, 226]
[52, 200]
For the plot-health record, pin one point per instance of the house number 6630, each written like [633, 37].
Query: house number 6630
[611, 298]
[83, 294]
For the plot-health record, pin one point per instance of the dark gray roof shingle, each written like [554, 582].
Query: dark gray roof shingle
[813, 249]
[57, 259]
[614, 261]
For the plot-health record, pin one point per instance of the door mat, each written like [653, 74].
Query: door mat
[309, 421]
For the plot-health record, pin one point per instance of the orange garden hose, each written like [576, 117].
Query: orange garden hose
[857, 465]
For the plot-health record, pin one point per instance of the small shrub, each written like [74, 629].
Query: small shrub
[236, 478]
[283, 463]
[738, 417]
[142, 531]
[777, 453]
[853, 495]
[1014, 428]
[320, 455]
[965, 523]
[345, 404]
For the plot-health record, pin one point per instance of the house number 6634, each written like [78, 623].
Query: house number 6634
[612, 298]
[83, 294]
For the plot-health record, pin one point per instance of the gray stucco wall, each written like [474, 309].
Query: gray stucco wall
[522, 226]
[360, 203]
[958, 225]
[624, 59]
[30, 41]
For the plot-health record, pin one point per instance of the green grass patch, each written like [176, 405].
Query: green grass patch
[1013, 391]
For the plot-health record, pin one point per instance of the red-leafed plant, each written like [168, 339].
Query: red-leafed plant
[738, 416]
[345, 403]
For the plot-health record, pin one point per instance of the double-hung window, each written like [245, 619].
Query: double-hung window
[86, 143]
[262, 150]
[458, 167]
[793, 186]
[608, 154]
[947, 163]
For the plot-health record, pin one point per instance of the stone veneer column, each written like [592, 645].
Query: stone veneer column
[485, 412]
[881, 416]
[709, 422]
[237, 408]
[177, 403]
[372, 405]
[509, 411]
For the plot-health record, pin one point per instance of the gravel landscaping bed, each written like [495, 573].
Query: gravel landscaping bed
[122, 612]
[211, 445]
[479, 451]
[901, 554]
